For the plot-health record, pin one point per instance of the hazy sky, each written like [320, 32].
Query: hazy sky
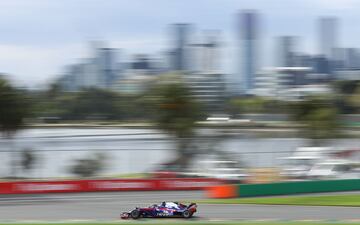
[39, 37]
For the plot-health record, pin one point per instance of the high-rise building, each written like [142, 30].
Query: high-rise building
[106, 65]
[67, 80]
[302, 60]
[248, 46]
[351, 58]
[180, 54]
[286, 52]
[100, 70]
[73, 78]
[320, 64]
[289, 83]
[141, 62]
[91, 78]
[347, 59]
[328, 36]
[209, 89]
[206, 53]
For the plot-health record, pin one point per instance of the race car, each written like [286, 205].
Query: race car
[165, 209]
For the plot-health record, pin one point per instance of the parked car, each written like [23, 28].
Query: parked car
[335, 169]
[302, 160]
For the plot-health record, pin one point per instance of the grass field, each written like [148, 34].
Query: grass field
[323, 200]
[195, 223]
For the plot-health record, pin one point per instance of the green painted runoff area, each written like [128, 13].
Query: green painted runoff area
[198, 223]
[297, 187]
[323, 200]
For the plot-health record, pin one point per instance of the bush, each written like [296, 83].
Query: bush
[89, 166]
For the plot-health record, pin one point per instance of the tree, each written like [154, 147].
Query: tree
[28, 160]
[318, 117]
[89, 166]
[89, 104]
[176, 113]
[93, 103]
[13, 109]
[347, 96]
[252, 104]
[354, 99]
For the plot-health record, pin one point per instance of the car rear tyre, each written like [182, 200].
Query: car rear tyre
[187, 214]
[135, 214]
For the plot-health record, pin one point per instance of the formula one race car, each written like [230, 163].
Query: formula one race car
[165, 209]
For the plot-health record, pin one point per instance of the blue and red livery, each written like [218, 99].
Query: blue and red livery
[170, 209]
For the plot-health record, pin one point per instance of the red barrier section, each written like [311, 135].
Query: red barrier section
[31, 187]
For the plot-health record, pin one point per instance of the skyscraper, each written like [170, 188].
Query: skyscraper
[248, 47]
[107, 60]
[105, 65]
[180, 58]
[328, 36]
[286, 51]
[206, 52]
[351, 58]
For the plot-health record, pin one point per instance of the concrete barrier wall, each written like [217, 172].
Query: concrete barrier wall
[298, 187]
[33, 187]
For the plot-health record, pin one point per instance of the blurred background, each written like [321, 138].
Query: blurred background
[244, 91]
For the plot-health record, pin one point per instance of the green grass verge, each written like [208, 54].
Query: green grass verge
[196, 223]
[331, 200]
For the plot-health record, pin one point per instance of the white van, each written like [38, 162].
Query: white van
[335, 169]
[302, 160]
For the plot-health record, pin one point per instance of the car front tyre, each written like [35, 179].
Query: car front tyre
[135, 214]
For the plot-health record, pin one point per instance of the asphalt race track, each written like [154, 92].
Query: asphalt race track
[107, 206]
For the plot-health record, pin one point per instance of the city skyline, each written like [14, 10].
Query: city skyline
[249, 27]
[58, 33]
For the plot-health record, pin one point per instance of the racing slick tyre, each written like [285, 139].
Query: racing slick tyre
[135, 214]
[187, 214]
